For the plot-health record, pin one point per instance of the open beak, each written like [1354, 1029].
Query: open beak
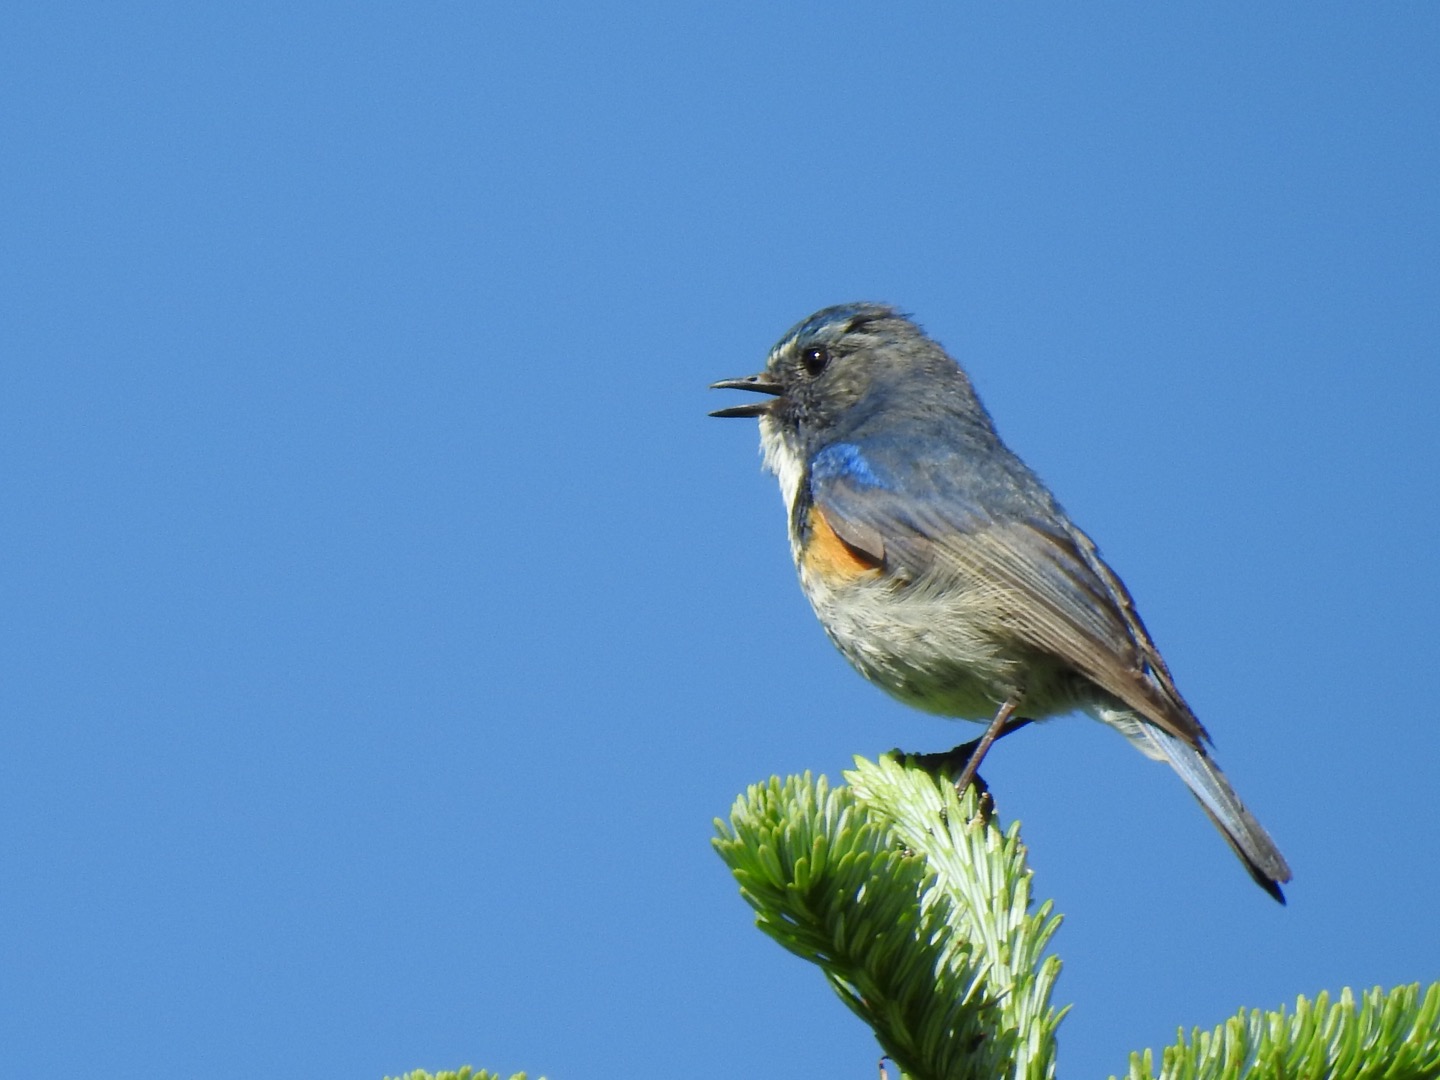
[761, 384]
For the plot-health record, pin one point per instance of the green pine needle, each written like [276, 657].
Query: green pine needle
[916, 909]
[919, 912]
[1385, 1036]
[464, 1073]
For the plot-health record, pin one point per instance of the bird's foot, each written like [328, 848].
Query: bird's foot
[959, 765]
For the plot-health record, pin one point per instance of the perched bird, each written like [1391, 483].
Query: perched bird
[945, 571]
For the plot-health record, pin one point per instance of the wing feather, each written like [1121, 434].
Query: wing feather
[1063, 600]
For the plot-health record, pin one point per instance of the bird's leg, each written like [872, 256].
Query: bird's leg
[967, 756]
[999, 727]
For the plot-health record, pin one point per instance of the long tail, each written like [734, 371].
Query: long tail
[1208, 784]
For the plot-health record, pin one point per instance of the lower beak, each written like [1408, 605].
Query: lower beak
[760, 384]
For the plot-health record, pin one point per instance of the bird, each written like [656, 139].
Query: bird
[943, 568]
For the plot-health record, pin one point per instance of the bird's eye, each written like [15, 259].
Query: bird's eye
[815, 359]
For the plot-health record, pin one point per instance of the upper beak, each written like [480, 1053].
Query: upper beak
[761, 384]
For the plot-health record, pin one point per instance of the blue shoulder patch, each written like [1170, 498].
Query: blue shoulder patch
[844, 460]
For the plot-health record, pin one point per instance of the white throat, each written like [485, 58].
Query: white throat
[781, 458]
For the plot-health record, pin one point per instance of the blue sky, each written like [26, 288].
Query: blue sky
[385, 622]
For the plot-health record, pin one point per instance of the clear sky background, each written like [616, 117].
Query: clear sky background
[385, 622]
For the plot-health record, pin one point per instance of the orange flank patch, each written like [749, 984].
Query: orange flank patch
[829, 557]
